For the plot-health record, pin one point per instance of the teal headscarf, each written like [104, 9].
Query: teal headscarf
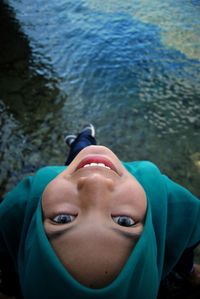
[172, 224]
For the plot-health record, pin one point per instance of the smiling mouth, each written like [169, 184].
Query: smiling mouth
[95, 161]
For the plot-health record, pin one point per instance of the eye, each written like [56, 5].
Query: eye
[124, 220]
[63, 218]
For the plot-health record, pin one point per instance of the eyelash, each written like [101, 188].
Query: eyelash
[116, 219]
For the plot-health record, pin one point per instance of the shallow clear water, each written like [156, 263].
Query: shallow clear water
[130, 67]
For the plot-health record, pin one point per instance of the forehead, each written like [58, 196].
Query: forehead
[88, 253]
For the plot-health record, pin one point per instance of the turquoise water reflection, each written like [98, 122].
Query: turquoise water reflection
[130, 67]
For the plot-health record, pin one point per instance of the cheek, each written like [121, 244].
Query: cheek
[132, 196]
[58, 192]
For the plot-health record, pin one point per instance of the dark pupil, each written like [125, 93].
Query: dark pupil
[124, 221]
[64, 218]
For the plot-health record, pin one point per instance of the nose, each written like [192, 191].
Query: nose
[95, 179]
[95, 186]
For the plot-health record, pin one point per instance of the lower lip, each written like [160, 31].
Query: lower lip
[96, 159]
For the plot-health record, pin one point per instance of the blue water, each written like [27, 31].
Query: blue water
[130, 67]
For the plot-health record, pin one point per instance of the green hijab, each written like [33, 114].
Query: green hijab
[172, 224]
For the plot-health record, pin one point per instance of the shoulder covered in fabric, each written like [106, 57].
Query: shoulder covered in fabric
[183, 222]
[17, 197]
[12, 211]
[141, 166]
[184, 207]
[20, 194]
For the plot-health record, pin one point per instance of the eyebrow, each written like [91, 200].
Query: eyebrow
[56, 234]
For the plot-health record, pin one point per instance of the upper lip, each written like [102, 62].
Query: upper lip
[97, 159]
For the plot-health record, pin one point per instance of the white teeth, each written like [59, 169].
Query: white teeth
[101, 164]
[97, 164]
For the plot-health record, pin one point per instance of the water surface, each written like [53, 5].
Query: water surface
[130, 67]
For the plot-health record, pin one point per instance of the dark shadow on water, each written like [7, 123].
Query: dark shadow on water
[26, 94]
[28, 102]
[11, 36]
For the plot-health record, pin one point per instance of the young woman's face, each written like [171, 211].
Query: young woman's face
[93, 215]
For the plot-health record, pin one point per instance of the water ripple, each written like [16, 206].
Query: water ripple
[131, 67]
